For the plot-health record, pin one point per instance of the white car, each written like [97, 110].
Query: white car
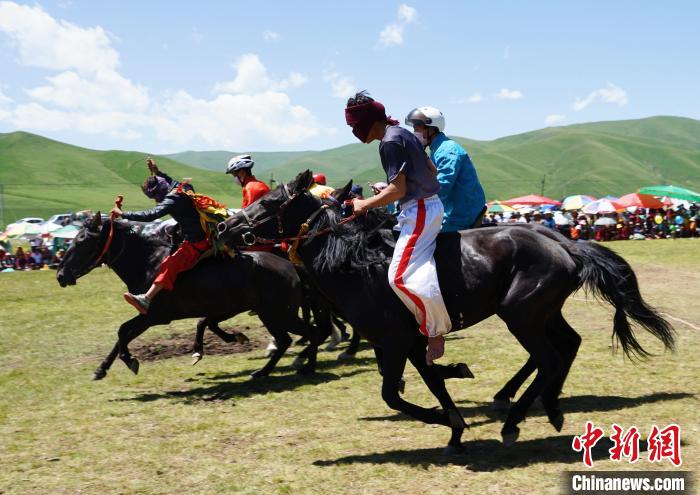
[34, 220]
[60, 219]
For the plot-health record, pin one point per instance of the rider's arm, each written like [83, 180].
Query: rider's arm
[164, 208]
[395, 191]
[447, 169]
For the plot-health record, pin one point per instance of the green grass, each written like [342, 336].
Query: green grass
[43, 177]
[175, 428]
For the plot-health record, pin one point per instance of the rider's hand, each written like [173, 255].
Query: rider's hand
[152, 167]
[115, 213]
[359, 206]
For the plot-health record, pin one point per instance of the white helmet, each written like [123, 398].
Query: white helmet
[238, 162]
[429, 116]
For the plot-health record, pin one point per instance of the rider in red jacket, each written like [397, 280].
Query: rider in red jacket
[240, 166]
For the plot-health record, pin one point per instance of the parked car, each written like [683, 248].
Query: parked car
[61, 219]
[34, 220]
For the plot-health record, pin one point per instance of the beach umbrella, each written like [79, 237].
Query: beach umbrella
[603, 206]
[21, 230]
[672, 192]
[532, 199]
[610, 197]
[640, 201]
[605, 221]
[67, 232]
[576, 202]
[498, 207]
[561, 219]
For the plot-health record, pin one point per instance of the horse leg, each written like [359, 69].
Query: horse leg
[101, 370]
[229, 338]
[198, 350]
[354, 345]
[282, 341]
[128, 332]
[458, 370]
[393, 364]
[567, 342]
[305, 362]
[501, 401]
[436, 383]
[378, 355]
[533, 338]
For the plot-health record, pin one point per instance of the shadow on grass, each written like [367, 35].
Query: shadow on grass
[296, 349]
[320, 366]
[213, 389]
[484, 455]
[575, 404]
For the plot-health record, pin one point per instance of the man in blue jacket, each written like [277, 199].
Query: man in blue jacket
[460, 190]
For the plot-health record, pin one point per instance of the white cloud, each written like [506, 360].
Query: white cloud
[608, 94]
[270, 35]
[474, 98]
[341, 86]
[251, 77]
[60, 45]
[508, 94]
[392, 34]
[554, 119]
[86, 93]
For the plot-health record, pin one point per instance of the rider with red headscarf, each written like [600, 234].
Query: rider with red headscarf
[169, 195]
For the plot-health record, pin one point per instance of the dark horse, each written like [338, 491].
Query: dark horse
[217, 289]
[520, 275]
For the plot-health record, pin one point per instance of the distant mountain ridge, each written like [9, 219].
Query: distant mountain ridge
[41, 176]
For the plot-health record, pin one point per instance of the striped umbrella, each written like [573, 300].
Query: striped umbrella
[576, 202]
[640, 201]
[603, 206]
[498, 207]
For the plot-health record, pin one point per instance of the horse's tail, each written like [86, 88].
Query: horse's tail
[608, 276]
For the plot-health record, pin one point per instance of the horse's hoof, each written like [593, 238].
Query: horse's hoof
[196, 357]
[455, 419]
[511, 437]
[99, 374]
[557, 421]
[242, 338]
[298, 362]
[452, 450]
[345, 356]
[463, 371]
[500, 405]
[134, 366]
[402, 386]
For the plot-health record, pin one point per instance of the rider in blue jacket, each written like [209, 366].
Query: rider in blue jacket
[460, 190]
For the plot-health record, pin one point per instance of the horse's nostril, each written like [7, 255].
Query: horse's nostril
[222, 227]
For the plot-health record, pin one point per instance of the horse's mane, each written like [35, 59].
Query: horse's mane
[355, 245]
[135, 231]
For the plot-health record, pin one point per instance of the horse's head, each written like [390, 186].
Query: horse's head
[84, 252]
[280, 213]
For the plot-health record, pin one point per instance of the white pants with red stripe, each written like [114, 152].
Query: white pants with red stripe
[412, 272]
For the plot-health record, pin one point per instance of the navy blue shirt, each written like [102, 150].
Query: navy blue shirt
[400, 151]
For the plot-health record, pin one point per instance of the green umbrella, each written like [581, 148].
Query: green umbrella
[671, 192]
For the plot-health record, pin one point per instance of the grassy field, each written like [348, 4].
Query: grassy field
[175, 428]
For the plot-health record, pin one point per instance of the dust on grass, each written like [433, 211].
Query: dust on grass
[181, 344]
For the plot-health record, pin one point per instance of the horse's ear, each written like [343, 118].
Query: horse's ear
[302, 182]
[343, 193]
[95, 222]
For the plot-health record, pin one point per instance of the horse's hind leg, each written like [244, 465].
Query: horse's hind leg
[353, 346]
[501, 401]
[533, 338]
[436, 383]
[282, 339]
[198, 350]
[229, 338]
[567, 342]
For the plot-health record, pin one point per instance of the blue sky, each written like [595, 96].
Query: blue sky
[170, 76]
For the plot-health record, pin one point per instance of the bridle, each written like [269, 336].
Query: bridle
[250, 239]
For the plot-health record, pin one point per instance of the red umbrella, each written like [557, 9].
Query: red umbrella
[640, 201]
[532, 199]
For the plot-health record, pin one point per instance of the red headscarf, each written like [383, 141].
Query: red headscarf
[362, 117]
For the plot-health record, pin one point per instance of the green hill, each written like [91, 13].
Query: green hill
[41, 177]
[597, 158]
[217, 160]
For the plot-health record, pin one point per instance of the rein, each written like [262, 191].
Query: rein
[110, 237]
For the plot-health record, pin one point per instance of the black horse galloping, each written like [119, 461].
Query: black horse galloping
[216, 289]
[520, 275]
